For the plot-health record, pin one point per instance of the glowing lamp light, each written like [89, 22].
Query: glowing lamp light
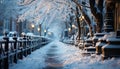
[32, 25]
[69, 29]
[82, 17]
[45, 30]
[73, 26]
[38, 29]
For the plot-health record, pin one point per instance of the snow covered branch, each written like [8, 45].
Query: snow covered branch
[84, 13]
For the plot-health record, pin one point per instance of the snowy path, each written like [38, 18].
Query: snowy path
[57, 55]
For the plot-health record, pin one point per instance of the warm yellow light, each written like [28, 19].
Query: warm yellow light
[73, 26]
[69, 29]
[38, 29]
[32, 25]
[82, 17]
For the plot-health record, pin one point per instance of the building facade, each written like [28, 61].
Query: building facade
[112, 18]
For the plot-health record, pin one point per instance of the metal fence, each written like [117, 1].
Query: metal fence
[13, 50]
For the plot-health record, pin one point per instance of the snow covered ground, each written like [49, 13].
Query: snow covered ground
[58, 55]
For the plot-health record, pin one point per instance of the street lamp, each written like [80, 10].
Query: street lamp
[82, 28]
[32, 25]
[45, 32]
[69, 29]
[73, 28]
[69, 32]
[39, 30]
[81, 18]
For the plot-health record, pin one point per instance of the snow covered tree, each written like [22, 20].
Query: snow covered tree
[85, 14]
[96, 7]
[8, 13]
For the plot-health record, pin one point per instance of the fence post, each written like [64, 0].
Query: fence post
[28, 44]
[15, 48]
[6, 60]
[32, 48]
[24, 47]
[1, 60]
[21, 50]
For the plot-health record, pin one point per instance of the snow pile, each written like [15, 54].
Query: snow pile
[92, 64]
[74, 59]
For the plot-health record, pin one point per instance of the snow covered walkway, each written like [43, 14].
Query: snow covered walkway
[57, 55]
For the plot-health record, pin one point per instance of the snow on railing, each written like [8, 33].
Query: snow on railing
[13, 50]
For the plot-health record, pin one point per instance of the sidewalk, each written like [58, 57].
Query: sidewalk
[58, 55]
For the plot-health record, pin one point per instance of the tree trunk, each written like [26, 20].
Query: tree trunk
[87, 19]
[97, 11]
[78, 23]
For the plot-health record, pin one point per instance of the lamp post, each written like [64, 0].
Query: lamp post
[69, 29]
[82, 26]
[73, 26]
[45, 32]
[82, 29]
[73, 32]
[32, 25]
[69, 32]
[39, 30]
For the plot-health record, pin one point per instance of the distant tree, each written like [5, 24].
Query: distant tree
[8, 9]
[8, 13]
